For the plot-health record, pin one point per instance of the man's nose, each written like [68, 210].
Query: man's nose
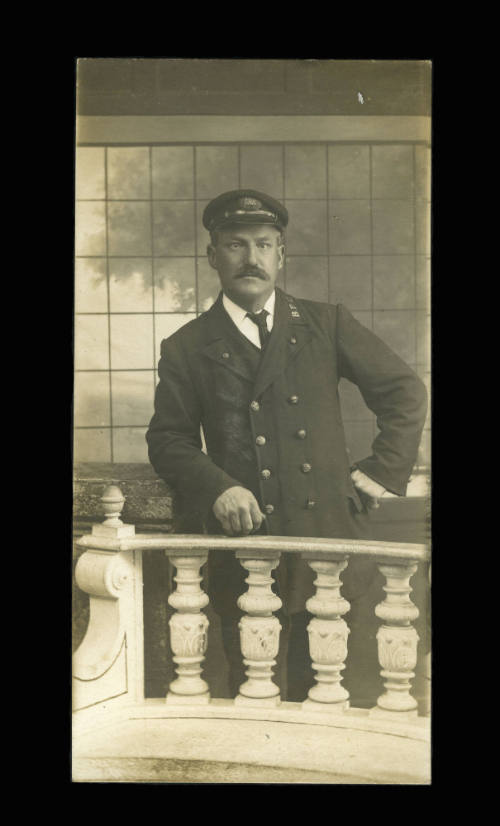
[251, 255]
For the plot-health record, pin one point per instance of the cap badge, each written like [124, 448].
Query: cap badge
[249, 204]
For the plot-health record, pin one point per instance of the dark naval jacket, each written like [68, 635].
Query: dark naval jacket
[272, 420]
[281, 415]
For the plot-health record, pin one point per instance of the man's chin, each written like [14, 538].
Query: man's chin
[249, 292]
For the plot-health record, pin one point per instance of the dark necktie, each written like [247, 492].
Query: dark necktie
[260, 320]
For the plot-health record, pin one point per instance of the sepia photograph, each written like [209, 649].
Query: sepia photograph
[252, 421]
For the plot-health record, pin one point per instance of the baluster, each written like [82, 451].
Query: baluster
[397, 640]
[188, 629]
[259, 630]
[328, 634]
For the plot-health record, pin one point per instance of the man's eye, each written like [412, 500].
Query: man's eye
[234, 245]
[264, 244]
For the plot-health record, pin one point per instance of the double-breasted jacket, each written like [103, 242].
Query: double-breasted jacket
[275, 426]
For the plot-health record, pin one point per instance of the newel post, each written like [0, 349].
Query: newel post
[108, 662]
[397, 639]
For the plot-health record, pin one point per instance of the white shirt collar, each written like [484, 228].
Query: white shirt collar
[238, 314]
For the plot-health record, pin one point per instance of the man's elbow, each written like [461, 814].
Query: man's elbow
[155, 450]
[421, 399]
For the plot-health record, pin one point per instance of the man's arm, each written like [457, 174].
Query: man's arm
[174, 444]
[173, 437]
[395, 394]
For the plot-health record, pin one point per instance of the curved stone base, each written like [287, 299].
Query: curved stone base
[216, 743]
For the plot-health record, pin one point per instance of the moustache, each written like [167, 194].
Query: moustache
[255, 273]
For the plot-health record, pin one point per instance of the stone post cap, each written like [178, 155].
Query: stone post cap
[113, 501]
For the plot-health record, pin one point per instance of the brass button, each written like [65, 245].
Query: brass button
[310, 504]
[265, 474]
[225, 355]
[293, 340]
[269, 508]
[293, 399]
[301, 434]
[260, 440]
[255, 405]
[306, 467]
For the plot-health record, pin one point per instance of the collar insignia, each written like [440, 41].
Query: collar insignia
[293, 309]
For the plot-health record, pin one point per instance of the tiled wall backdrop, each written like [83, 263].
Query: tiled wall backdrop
[359, 233]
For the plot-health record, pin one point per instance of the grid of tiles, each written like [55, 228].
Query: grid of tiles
[359, 233]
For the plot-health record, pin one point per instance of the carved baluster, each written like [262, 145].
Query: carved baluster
[259, 630]
[188, 629]
[397, 640]
[328, 634]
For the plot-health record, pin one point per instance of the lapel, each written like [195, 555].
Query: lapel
[289, 335]
[223, 339]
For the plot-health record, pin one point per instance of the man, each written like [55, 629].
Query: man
[259, 372]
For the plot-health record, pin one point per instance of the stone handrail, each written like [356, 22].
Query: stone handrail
[291, 544]
[108, 663]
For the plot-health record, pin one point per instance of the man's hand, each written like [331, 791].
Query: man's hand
[371, 489]
[238, 511]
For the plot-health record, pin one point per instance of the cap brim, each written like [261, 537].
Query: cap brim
[247, 219]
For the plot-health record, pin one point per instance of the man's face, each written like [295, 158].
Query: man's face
[248, 260]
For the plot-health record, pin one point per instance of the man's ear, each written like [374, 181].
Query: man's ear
[211, 255]
[281, 249]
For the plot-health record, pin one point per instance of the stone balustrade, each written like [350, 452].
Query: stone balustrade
[108, 665]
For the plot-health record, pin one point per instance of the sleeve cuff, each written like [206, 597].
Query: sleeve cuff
[377, 475]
